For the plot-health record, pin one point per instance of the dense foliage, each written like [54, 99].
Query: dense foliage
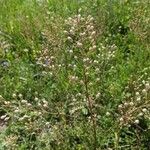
[74, 75]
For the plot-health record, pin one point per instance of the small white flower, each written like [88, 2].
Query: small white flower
[14, 95]
[29, 105]
[70, 51]
[79, 44]
[137, 93]
[144, 91]
[20, 95]
[94, 47]
[97, 79]
[126, 104]
[97, 70]
[17, 110]
[65, 32]
[45, 105]
[93, 33]
[137, 121]
[7, 118]
[140, 114]
[98, 95]
[144, 110]
[71, 31]
[138, 99]
[91, 27]
[24, 101]
[147, 86]
[108, 114]
[3, 117]
[69, 38]
[121, 119]
[120, 106]
[131, 103]
[36, 99]
[39, 113]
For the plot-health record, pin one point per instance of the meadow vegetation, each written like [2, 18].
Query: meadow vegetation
[74, 75]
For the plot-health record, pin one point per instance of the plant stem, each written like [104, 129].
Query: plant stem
[91, 111]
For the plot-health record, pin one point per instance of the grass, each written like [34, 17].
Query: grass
[74, 74]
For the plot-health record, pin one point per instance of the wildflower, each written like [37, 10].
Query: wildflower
[70, 51]
[147, 86]
[17, 110]
[82, 34]
[93, 33]
[121, 119]
[91, 27]
[7, 118]
[97, 70]
[137, 121]
[140, 114]
[28, 104]
[97, 79]
[36, 99]
[24, 101]
[126, 104]
[138, 99]
[72, 32]
[98, 95]
[144, 110]
[137, 93]
[79, 44]
[94, 47]
[20, 95]
[65, 32]
[14, 95]
[45, 105]
[131, 103]
[108, 114]
[69, 38]
[120, 106]
[144, 91]
[3, 117]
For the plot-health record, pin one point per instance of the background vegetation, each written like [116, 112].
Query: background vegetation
[74, 74]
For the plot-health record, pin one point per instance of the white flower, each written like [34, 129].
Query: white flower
[69, 38]
[108, 114]
[14, 95]
[138, 99]
[17, 110]
[36, 99]
[137, 93]
[121, 119]
[137, 121]
[144, 91]
[94, 47]
[140, 114]
[98, 95]
[24, 101]
[79, 44]
[3, 117]
[144, 110]
[120, 106]
[93, 33]
[20, 95]
[7, 118]
[65, 32]
[126, 104]
[147, 86]
[131, 103]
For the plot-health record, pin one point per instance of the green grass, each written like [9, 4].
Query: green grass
[78, 84]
